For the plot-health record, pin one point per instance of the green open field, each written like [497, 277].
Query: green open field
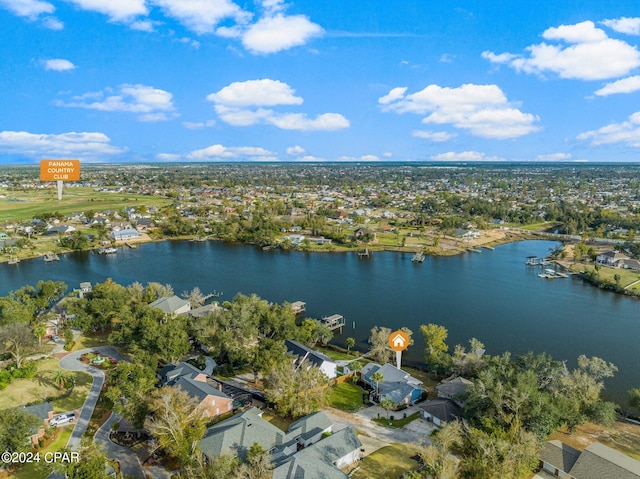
[25, 204]
[345, 396]
[390, 462]
[627, 276]
[40, 387]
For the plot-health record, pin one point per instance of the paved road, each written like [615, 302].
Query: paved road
[71, 363]
[128, 459]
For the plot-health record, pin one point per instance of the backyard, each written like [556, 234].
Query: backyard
[390, 462]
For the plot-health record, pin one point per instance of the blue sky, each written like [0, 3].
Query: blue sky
[332, 80]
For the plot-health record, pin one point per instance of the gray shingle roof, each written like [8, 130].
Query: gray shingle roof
[169, 305]
[601, 462]
[455, 387]
[198, 389]
[171, 372]
[41, 410]
[310, 425]
[443, 409]
[559, 455]
[304, 353]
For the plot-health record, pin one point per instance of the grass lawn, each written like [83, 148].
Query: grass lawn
[429, 380]
[397, 423]
[91, 341]
[338, 355]
[280, 422]
[40, 387]
[389, 462]
[23, 205]
[42, 470]
[345, 396]
[627, 276]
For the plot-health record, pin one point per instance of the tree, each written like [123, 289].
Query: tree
[92, 465]
[18, 340]
[436, 348]
[377, 378]
[15, 427]
[259, 465]
[62, 379]
[129, 386]
[349, 342]
[379, 341]
[177, 422]
[296, 391]
[387, 404]
[195, 297]
[39, 330]
[634, 398]
[267, 354]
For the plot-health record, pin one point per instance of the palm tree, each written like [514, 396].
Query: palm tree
[61, 378]
[377, 377]
[39, 330]
[387, 404]
[349, 342]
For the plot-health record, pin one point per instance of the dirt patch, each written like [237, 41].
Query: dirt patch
[623, 437]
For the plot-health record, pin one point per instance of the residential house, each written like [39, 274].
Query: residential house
[44, 412]
[125, 234]
[194, 382]
[365, 234]
[441, 411]
[302, 452]
[611, 258]
[455, 389]
[172, 305]
[59, 230]
[305, 355]
[596, 462]
[400, 386]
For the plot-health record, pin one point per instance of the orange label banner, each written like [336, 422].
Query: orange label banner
[66, 170]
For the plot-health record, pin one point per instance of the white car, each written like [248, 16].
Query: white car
[61, 419]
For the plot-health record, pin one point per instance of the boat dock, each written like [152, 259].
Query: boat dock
[131, 245]
[552, 274]
[48, 257]
[418, 257]
[335, 321]
[363, 254]
[298, 307]
[536, 261]
[14, 260]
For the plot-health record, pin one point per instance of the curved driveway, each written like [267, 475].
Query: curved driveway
[71, 362]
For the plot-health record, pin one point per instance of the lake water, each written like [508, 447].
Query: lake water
[492, 296]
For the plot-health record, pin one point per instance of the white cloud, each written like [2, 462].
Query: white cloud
[300, 121]
[27, 8]
[447, 58]
[198, 125]
[52, 23]
[464, 156]
[265, 92]
[626, 85]
[236, 105]
[279, 32]
[71, 144]
[202, 16]
[483, 110]
[394, 94]
[590, 55]
[188, 41]
[296, 150]
[630, 26]
[625, 133]
[435, 136]
[143, 25]
[360, 158]
[58, 64]
[387, 154]
[117, 10]
[222, 152]
[554, 157]
[151, 104]
[168, 157]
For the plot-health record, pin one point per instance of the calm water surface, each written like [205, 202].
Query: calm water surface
[492, 296]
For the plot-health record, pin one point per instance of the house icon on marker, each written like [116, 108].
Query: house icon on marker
[398, 340]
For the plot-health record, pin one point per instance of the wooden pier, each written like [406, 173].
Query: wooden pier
[418, 257]
[535, 261]
[298, 307]
[363, 254]
[215, 294]
[335, 321]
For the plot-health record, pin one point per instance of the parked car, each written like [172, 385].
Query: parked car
[56, 339]
[61, 419]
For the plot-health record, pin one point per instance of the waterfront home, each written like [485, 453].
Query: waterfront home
[172, 305]
[194, 382]
[611, 258]
[125, 234]
[303, 355]
[441, 411]
[398, 385]
[455, 389]
[300, 452]
[596, 462]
